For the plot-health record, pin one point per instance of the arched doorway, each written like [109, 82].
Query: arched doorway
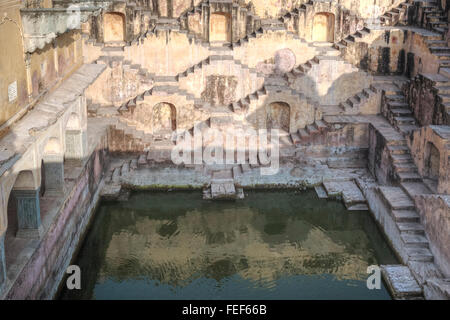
[164, 118]
[114, 27]
[278, 116]
[24, 207]
[220, 27]
[323, 27]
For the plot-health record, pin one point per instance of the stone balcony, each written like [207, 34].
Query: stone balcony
[42, 25]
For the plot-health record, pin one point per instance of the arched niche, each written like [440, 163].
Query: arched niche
[278, 116]
[164, 118]
[220, 27]
[114, 27]
[323, 27]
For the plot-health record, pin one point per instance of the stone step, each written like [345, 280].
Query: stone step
[401, 112]
[223, 191]
[419, 254]
[321, 192]
[401, 158]
[409, 176]
[125, 168]
[142, 160]
[415, 188]
[237, 172]
[398, 149]
[245, 168]
[398, 98]
[404, 120]
[414, 240]
[444, 97]
[358, 207]
[407, 128]
[295, 138]
[396, 198]
[401, 282]
[405, 167]
[411, 228]
[405, 216]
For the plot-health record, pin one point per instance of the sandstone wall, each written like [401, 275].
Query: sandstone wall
[436, 167]
[43, 272]
[434, 211]
[422, 96]
[380, 164]
[393, 51]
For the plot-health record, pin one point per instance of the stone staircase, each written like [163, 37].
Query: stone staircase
[396, 110]
[407, 221]
[128, 139]
[311, 134]
[223, 186]
[396, 15]
[132, 78]
[129, 106]
[351, 39]
[404, 169]
[272, 83]
[326, 53]
[220, 62]
[433, 17]
[355, 104]
[347, 190]
[328, 61]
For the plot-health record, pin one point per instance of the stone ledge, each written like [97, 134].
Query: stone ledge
[401, 282]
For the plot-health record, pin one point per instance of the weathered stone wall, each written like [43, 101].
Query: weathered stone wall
[32, 74]
[393, 51]
[380, 164]
[119, 83]
[433, 166]
[346, 141]
[422, 96]
[364, 9]
[186, 114]
[301, 111]
[434, 211]
[332, 81]
[44, 270]
[264, 47]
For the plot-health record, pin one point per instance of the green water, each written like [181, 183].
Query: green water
[272, 245]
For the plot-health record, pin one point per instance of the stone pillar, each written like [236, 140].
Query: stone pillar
[234, 22]
[54, 174]
[206, 14]
[249, 24]
[55, 57]
[28, 213]
[28, 77]
[76, 145]
[2, 263]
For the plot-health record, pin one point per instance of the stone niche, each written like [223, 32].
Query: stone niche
[220, 27]
[431, 151]
[278, 116]
[323, 27]
[114, 27]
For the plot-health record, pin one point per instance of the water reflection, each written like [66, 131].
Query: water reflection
[273, 245]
